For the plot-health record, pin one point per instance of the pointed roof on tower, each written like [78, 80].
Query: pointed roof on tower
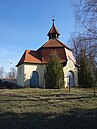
[53, 33]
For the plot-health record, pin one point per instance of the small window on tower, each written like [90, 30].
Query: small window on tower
[53, 36]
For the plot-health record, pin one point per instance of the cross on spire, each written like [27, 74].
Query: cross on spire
[53, 20]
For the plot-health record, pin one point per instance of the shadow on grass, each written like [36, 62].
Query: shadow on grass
[33, 98]
[74, 119]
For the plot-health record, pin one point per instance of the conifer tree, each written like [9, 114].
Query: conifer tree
[86, 74]
[54, 75]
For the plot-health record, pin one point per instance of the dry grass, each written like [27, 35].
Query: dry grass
[48, 109]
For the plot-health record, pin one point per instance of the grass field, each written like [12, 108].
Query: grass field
[48, 109]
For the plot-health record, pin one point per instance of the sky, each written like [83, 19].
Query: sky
[24, 25]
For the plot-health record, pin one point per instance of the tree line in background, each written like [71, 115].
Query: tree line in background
[84, 40]
[10, 75]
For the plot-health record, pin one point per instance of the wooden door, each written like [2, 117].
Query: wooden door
[34, 81]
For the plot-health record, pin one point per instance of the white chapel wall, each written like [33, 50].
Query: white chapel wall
[20, 75]
[24, 73]
[29, 68]
[70, 67]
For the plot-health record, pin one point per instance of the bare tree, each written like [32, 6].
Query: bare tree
[1, 72]
[85, 12]
[86, 16]
[12, 73]
[85, 38]
[79, 43]
[85, 59]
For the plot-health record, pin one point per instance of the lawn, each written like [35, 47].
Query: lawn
[48, 109]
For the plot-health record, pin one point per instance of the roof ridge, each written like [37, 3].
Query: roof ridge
[64, 44]
[56, 46]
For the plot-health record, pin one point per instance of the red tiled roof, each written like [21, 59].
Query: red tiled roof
[53, 30]
[42, 54]
[29, 56]
[54, 43]
[46, 51]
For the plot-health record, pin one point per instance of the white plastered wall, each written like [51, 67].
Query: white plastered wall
[20, 75]
[23, 76]
[29, 68]
[24, 73]
[70, 67]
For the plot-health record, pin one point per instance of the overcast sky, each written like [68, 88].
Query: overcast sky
[24, 24]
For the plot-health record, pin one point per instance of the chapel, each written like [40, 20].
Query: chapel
[32, 65]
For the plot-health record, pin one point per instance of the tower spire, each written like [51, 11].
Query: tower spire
[53, 20]
[53, 33]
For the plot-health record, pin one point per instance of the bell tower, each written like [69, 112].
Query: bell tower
[53, 33]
